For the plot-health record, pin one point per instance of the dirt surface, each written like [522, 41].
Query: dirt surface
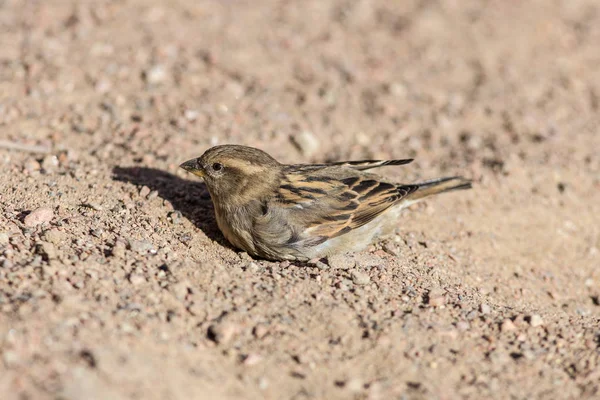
[116, 283]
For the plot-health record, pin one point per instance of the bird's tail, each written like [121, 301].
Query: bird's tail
[439, 185]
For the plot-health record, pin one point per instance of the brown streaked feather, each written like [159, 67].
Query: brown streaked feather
[335, 200]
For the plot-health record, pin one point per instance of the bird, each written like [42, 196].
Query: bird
[304, 212]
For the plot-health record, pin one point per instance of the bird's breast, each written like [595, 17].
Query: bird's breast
[234, 224]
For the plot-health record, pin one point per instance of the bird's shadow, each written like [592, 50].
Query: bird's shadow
[190, 198]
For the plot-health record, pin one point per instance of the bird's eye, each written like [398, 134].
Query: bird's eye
[217, 166]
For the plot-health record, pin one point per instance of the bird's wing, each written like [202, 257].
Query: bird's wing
[361, 165]
[330, 202]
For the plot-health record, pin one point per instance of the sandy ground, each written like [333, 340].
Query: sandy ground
[115, 282]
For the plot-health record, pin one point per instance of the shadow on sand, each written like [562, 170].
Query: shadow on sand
[190, 198]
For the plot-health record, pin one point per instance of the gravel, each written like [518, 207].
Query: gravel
[39, 216]
[535, 320]
[360, 278]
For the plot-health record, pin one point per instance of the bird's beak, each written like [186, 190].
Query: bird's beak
[193, 167]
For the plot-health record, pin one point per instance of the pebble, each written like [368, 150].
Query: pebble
[485, 309]
[32, 165]
[252, 359]
[463, 326]
[127, 328]
[341, 261]
[140, 246]
[191, 115]
[180, 290]
[156, 74]
[436, 298]
[318, 264]
[144, 191]
[306, 142]
[50, 163]
[47, 250]
[39, 216]
[508, 326]
[118, 249]
[263, 383]
[354, 385]
[175, 217]
[97, 232]
[137, 279]
[3, 238]
[360, 278]
[253, 267]
[390, 250]
[198, 310]
[222, 332]
[260, 331]
[535, 320]
[54, 236]
[94, 206]
[10, 358]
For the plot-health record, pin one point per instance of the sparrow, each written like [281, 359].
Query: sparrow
[302, 212]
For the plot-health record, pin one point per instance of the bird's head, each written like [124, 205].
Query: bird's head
[235, 174]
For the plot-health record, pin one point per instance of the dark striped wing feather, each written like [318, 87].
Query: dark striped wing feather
[330, 203]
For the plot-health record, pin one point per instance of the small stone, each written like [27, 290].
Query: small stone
[144, 191]
[140, 246]
[4, 238]
[180, 290]
[92, 273]
[485, 309]
[127, 328]
[263, 383]
[436, 299]
[175, 217]
[252, 359]
[118, 249]
[535, 320]
[355, 385]
[390, 250]
[198, 310]
[47, 250]
[97, 232]
[253, 267]
[11, 359]
[463, 326]
[54, 236]
[360, 278]
[39, 216]
[306, 142]
[94, 206]
[341, 261]
[508, 326]
[260, 331]
[191, 115]
[318, 264]
[50, 163]
[103, 86]
[156, 74]
[222, 332]
[32, 165]
[137, 279]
